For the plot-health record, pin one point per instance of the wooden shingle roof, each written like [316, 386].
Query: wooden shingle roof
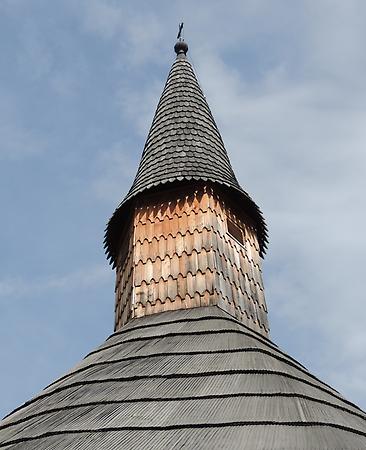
[190, 378]
[183, 145]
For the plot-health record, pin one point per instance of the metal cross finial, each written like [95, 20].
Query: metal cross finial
[180, 31]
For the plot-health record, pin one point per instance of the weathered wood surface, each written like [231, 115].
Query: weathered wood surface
[179, 374]
[180, 255]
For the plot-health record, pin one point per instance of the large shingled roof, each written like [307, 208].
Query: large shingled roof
[183, 144]
[186, 379]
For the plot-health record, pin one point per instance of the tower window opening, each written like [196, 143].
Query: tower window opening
[236, 232]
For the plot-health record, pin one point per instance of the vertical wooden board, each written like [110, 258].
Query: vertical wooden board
[262, 318]
[242, 301]
[253, 292]
[170, 245]
[197, 239]
[162, 289]
[255, 313]
[219, 223]
[192, 223]
[192, 262]
[202, 260]
[206, 239]
[250, 307]
[183, 223]
[206, 299]
[141, 215]
[196, 204]
[242, 281]
[209, 259]
[179, 207]
[210, 282]
[157, 269]
[152, 292]
[150, 213]
[248, 248]
[162, 247]
[137, 230]
[150, 230]
[138, 310]
[189, 242]
[200, 282]
[154, 248]
[179, 243]
[205, 201]
[211, 239]
[144, 253]
[190, 285]
[174, 266]
[187, 206]
[165, 267]
[174, 225]
[141, 294]
[139, 273]
[202, 219]
[218, 264]
[229, 272]
[172, 288]
[235, 279]
[247, 287]
[158, 229]
[183, 264]
[138, 251]
[255, 256]
[182, 286]
[147, 270]
[213, 203]
[159, 212]
[229, 250]
[220, 244]
[197, 300]
[222, 286]
[260, 278]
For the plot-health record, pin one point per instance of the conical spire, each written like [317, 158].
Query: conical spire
[183, 144]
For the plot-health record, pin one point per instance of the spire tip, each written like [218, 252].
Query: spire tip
[181, 47]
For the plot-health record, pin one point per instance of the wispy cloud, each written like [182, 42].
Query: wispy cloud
[87, 277]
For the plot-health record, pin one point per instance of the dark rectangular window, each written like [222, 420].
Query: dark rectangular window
[235, 231]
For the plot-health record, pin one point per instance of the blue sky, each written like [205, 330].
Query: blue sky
[79, 84]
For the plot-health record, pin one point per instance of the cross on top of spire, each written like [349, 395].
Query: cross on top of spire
[181, 47]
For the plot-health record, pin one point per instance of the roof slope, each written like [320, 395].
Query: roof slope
[190, 378]
[183, 144]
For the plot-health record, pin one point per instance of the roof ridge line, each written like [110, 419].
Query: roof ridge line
[196, 352]
[188, 375]
[199, 397]
[185, 426]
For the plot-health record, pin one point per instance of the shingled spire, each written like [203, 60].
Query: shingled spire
[183, 145]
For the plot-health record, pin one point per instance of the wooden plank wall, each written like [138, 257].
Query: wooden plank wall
[181, 256]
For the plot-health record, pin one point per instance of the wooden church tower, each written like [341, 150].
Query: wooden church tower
[190, 364]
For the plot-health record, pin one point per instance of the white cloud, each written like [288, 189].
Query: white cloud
[115, 172]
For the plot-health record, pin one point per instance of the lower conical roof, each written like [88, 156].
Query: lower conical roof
[186, 379]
